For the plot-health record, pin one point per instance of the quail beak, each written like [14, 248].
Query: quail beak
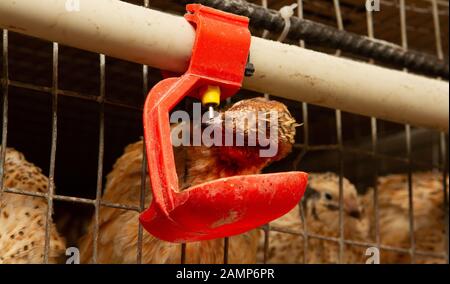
[352, 209]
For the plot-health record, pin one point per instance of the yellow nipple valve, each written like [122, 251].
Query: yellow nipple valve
[211, 99]
[211, 96]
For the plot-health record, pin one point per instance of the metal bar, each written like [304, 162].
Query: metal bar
[143, 182]
[300, 16]
[410, 195]
[356, 243]
[416, 9]
[374, 136]
[266, 96]
[143, 188]
[143, 178]
[264, 35]
[341, 186]
[306, 142]
[5, 87]
[267, 226]
[226, 246]
[72, 199]
[437, 29]
[408, 144]
[373, 124]
[101, 150]
[442, 142]
[386, 157]
[266, 229]
[183, 253]
[140, 232]
[403, 25]
[305, 233]
[440, 2]
[165, 41]
[340, 24]
[444, 162]
[265, 32]
[368, 153]
[119, 206]
[44, 196]
[72, 94]
[51, 175]
[338, 117]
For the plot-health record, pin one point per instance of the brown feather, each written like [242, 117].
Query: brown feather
[393, 200]
[22, 218]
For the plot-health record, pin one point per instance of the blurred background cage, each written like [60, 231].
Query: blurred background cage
[71, 112]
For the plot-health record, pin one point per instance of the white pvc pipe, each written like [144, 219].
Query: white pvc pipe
[110, 27]
[165, 41]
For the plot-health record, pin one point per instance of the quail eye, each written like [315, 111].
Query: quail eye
[328, 196]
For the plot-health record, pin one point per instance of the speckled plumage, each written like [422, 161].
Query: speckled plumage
[428, 200]
[117, 241]
[322, 218]
[22, 218]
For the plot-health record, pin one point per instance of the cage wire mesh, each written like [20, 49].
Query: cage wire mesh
[71, 112]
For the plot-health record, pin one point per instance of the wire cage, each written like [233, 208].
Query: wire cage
[72, 112]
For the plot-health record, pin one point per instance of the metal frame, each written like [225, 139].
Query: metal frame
[300, 74]
[339, 146]
[304, 148]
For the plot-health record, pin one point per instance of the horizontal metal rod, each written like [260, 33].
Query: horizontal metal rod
[164, 41]
[72, 199]
[351, 242]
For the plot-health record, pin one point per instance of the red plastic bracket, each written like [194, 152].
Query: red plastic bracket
[225, 206]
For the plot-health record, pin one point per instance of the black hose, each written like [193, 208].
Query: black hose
[328, 36]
